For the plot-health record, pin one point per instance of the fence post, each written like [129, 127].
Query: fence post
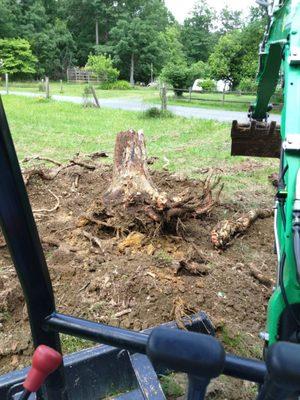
[190, 92]
[61, 86]
[6, 83]
[163, 96]
[95, 96]
[47, 88]
[223, 97]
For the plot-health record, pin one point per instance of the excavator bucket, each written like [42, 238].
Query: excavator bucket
[256, 139]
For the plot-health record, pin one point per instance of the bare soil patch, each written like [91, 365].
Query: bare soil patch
[137, 280]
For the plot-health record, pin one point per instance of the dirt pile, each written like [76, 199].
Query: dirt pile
[137, 280]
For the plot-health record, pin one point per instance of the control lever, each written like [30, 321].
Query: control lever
[45, 361]
[202, 357]
[283, 377]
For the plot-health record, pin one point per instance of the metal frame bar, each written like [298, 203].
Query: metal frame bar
[23, 241]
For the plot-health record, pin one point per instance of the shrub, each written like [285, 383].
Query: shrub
[247, 85]
[208, 85]
[102, 67]
[178, 75]
[155, 112]
[181, 76]
[118, 85]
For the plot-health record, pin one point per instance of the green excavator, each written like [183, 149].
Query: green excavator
[279, 63]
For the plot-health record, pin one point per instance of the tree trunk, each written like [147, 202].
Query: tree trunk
[132, 66]
[97, 31]
[131, 178]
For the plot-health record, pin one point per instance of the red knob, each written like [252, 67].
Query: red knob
[45, 361]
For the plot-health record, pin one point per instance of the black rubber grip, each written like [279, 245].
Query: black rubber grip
[283, 364]
[193, 353]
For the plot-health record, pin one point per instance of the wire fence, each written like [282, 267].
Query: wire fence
[212, 97]
[229, 97]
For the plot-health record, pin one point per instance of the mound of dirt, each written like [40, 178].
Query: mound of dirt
[137, 281]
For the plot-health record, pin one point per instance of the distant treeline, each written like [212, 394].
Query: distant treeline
[142, 38]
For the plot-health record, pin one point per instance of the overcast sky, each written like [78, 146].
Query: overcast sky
[180, 8]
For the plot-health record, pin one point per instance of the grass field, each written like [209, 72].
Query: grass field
[149, 95]
[77, 89]
[59, 130]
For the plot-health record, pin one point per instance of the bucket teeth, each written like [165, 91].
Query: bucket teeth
[255, 139]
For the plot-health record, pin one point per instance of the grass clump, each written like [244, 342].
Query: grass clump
[155, 112]
[171, 387]
[118, 85]
[71, 344]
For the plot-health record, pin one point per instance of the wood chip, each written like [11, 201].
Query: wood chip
[122, 313]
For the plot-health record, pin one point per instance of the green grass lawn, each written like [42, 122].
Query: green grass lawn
[149, 95]
[59, 130]
[77, 89]
[233, 102]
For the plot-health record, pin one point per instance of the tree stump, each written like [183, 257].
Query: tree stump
[134, 203]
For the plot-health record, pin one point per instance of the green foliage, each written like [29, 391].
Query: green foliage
[16, 57]
[248, 85]
[182, 76]
[103, 68]
[141, 36]
[7, 20]
[118, 85]
[155, 112]
[173, 45]
[137, 42]
[208, 85]
[199, 70]
[235, 56]
[225, 61]
[230, 20]
[197, 37]
[178, 75]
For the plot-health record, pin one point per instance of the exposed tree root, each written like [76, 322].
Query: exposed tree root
[47, 176]
[227, 230]
[192, 268]
[54, 208]
[51, 174]
[264, 280]
[93, 240]
[39, 158]
[181, 310]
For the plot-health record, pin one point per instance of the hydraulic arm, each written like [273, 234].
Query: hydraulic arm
[280, 56]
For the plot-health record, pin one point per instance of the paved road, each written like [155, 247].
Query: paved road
[139, 105]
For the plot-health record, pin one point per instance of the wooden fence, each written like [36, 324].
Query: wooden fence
[223, 97]
[81, 75]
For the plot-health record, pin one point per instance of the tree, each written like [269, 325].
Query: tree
[17, 58]
[178, 75]
[174, 51]
[235, 57]
[225, 61]
[199, 70]
[7, 20]
[136, 45]
[136, 42]
[103, 68]
[230, 20]
[197, 36]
